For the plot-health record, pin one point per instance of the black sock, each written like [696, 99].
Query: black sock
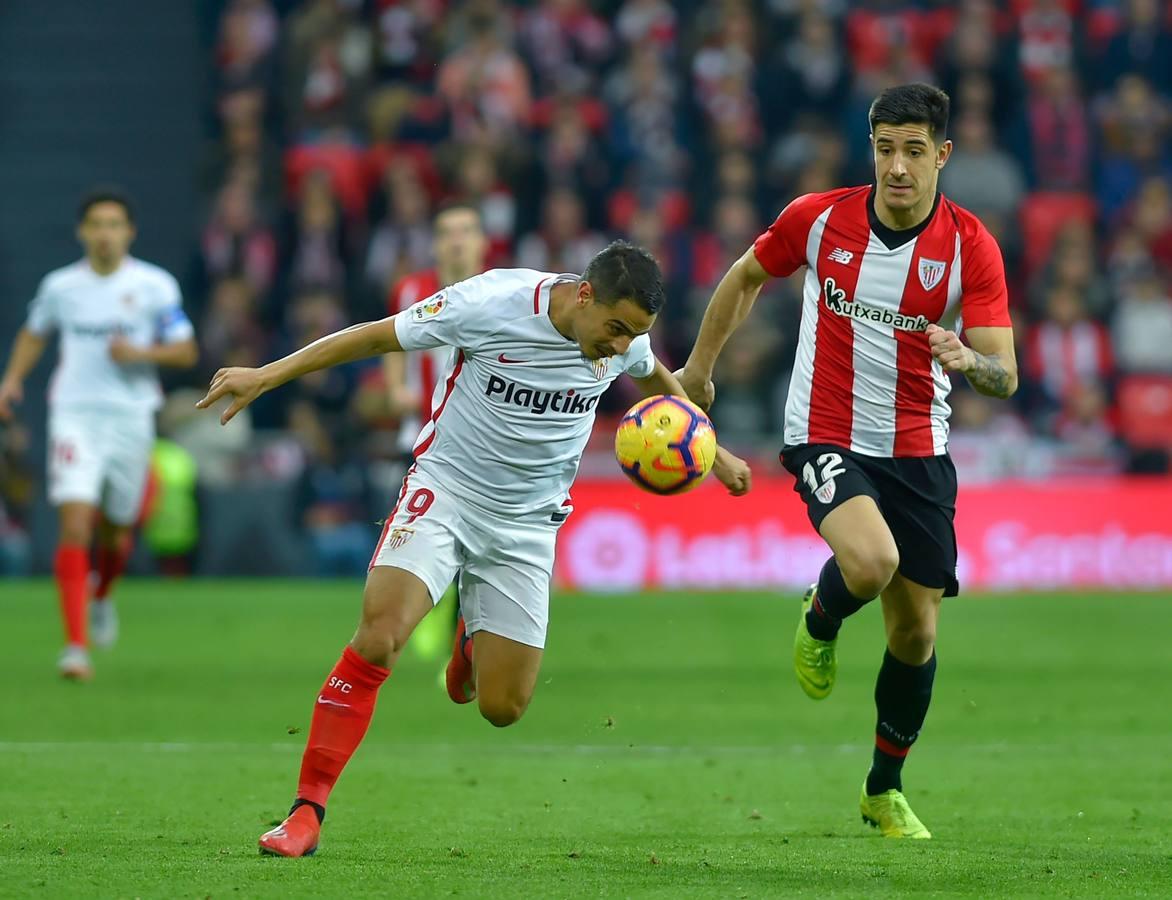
[318, 809]
[833, 603]
[902, 695]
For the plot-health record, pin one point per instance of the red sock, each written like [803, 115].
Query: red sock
[72, 567]
[341, 716]
[111, 564]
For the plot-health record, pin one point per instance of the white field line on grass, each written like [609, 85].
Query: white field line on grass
[502, 748]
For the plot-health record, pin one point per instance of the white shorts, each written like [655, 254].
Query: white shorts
[504, 564]
[101, 459]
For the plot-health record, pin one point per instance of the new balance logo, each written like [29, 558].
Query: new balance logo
[839, 255]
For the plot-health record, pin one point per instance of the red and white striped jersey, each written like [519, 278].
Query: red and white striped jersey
[864, 377]
[423, 367]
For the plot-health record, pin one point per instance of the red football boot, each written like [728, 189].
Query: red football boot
[460, 681]
[296, 836]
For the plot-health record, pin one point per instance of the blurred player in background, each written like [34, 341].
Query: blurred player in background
[459, 246]
[119, 318]
[866, 420]
[490, 487]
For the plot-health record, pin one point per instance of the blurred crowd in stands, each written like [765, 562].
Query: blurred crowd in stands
[335, 127]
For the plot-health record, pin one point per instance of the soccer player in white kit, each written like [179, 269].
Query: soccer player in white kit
[119, 319]
[489, 488]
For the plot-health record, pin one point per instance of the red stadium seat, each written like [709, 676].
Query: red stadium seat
[1145, 410]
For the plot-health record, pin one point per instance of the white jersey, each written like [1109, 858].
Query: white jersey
[138, 301]
[512, 414]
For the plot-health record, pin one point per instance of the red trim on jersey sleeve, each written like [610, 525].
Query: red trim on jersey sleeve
[984, 296]
[781, 248]
[537, 297]
[448, 388]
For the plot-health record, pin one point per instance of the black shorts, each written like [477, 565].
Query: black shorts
[916, 494]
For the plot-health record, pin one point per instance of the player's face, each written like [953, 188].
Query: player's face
[907, 164]
[607, 329]
[106, 232]
[460, 245]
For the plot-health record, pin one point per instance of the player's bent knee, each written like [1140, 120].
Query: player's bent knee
[503, 708]
[867, 574]
[912, 643]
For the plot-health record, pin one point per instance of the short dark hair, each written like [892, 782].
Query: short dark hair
[906, 104]
[455, 203]
[624, 271]
[106, 193]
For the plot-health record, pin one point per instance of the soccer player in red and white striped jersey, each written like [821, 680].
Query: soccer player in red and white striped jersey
[893, 272]
[459, 247]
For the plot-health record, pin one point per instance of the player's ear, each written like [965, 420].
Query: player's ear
[942, 153]
[585, 293]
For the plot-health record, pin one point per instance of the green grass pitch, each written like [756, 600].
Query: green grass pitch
[668, 753]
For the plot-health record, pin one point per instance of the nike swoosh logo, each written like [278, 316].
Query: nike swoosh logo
[323, 700]
[658, 466]
[505, 359]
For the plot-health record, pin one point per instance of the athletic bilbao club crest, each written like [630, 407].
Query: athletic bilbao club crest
[600, 367]
[931, 271]
[825, 491]
[399, 535]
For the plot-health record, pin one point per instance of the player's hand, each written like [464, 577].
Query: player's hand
[122, 351]
[700, 389]
[733, 472]
[10, 392]
[242, 385]
[947, 349]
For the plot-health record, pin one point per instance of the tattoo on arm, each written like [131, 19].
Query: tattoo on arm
[989, 376]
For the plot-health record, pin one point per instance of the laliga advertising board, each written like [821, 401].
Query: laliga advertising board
[1098, 533]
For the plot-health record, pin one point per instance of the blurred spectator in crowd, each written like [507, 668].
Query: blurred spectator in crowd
[566, 43]
[563, 243]
[248, 36]
[231, 333]
[1143, 325]
[1073, 264]
[980, 176]
[1059, 132]
[401, 242]
[644, 137]
[1141, 46]
[235, 241]
[648, 23]
[1064, 353]
[484, 82]
[1134, 123]
[1150, 214]
[18, 490]
[808, 75]
[319, 248]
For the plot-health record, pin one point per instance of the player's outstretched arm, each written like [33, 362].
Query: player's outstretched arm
[730, 470]
[182, 354]
[730, 304]
[348, 345]
[26, 350]
[989, 363]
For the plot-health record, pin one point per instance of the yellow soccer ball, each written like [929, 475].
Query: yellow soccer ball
[665, 444]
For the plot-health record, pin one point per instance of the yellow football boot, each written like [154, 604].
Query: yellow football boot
[815, 661]
[890, 813]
